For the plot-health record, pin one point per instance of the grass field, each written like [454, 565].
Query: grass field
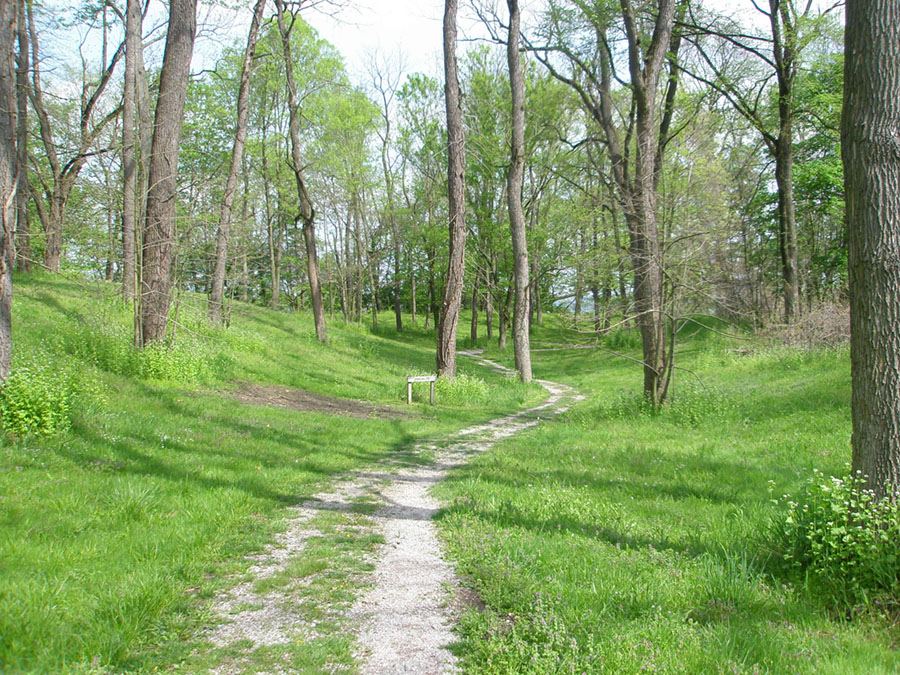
[613, 539]
[116, 532]
[617, 540]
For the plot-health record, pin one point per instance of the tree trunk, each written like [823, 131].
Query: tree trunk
[473, 328]
[412, 290]
[456, 178]
[395, 230]
[359, 261]
[785, 45]
[237, 153]
[504, 318]
[133, 40]
[112, 238]
[373, 278]
[307, 213]
[489, 306]
[521, 340]
[870, 144]
[23, 227]
[159, 219]
[787, 221]
[8, 172]
[245, 279]
[432, 294]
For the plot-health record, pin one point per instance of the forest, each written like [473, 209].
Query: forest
[648, 249]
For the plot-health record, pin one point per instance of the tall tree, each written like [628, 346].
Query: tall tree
[306, 212]
[64, 170]
[159, 218]
[237, 152]
[636, 170]
[8, 170]
[870, 143]
[456, 185]
[386, 80]
[521, 342]
[791, 25]
[23, 229]
[133, 43]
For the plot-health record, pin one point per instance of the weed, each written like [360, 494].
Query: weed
[35, 401]
[841, 541]
[461, 390]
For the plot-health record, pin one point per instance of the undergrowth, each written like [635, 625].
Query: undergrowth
[142, 482]
[40, 396]
[842, 543]
[621, 539]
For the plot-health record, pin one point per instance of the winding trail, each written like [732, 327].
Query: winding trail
[404, 619]
[406, 624]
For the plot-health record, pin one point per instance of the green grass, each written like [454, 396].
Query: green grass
[117, 532]
[615, 539]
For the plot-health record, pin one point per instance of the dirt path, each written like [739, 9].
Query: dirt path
[404, 621]
[406, 624]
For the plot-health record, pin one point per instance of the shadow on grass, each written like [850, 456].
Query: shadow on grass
[202, 462]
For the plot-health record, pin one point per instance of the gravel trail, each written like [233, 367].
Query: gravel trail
[406, 621]
[404, 618]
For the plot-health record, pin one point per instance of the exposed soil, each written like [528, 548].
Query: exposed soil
[306, 401]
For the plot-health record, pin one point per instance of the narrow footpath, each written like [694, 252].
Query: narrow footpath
[405, 615]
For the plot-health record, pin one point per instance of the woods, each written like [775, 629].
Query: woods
[633, 163]
[656, 162]
[647, 253]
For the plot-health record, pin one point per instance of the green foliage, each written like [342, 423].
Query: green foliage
[841, 540]
[110, 348]
[104, 340]
[461, 390]
[36, 400]
[623, 338]
[118, 530]
[631, 542]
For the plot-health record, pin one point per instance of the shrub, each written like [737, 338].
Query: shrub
[461, 390]
[841, 540]
[827, 325]
[190, 360]
[34, 400]
[690, 405]
[183, 362]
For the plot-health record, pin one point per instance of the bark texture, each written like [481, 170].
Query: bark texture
[870, 144]
[307, 214]
[217, 292]
[456, 178]
[8, 176]
[159, 220]
[133, 43]
[23, 227]
[521, 340]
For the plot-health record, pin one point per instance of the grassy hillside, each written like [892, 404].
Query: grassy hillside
[116, 530]
[615, 539]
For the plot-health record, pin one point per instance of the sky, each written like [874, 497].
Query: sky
[406, 29]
